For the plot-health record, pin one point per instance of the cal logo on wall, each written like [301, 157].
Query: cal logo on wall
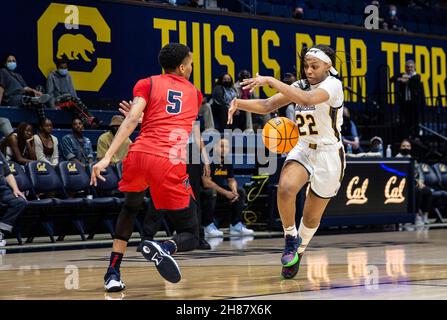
[77, 45]
[393, 193]
[357, 194]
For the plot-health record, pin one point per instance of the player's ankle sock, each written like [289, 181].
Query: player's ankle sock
[170, 246]
[115, 261]
[290, 231]
[306, 234]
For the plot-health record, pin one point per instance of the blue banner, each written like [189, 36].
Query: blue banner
[110, 45]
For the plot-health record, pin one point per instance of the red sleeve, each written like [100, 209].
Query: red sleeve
[142, 89]
[199, 98]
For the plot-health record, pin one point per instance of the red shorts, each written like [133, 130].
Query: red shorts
[168, 182]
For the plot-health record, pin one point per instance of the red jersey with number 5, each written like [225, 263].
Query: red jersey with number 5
[172, 106]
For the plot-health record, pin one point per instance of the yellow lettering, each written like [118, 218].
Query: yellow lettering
[326, 40]
[165, 25]
[438, 74]
[340, 64]
[359, 65]
[225, 60]
[423, 68]
[196, 55]
[182, 33]
[301, 40]
[404, 49]
[255, 54]
[390, 48]
[269, 63]
[207, 58]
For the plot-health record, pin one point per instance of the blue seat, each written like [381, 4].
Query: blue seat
[312, 14]
[263, 8]
[357, 20]
[327, 16]
[281, 11]
[424, 28]
[45, 179]
[341, 18]
[411, 26]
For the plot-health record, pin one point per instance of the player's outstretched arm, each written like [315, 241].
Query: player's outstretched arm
[125, 130]
[260, 106]
[301, 97]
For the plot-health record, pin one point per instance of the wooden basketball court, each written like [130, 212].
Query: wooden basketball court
[392, 265]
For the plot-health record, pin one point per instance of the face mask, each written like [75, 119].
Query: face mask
[172, 2]
[226, 84]
[11, 66]
[392, 13]
[62, 72]
[405, 152]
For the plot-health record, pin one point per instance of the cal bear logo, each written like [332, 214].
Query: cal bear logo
[73, 46]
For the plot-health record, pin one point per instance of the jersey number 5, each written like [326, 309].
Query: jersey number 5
[175, 102]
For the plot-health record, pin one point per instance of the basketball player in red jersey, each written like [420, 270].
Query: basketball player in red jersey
[157, 159]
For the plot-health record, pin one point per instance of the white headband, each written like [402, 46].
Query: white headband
[317, 53]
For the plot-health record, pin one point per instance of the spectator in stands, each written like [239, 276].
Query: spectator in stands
[376, 146]
[410, 98]
[105, 140]
[207, 114]
[222, 187]
[19, 146]
[63, 94]
[15, 92]
[76, 147]
[46, 145]
[298, 13]
[424, 195]
[11, 197]
[349, 133]
[223, 93]
[405, 149]
[392, 22]
[250, 119]
[5, 127]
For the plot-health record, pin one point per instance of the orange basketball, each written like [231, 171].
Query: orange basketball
[280, 135]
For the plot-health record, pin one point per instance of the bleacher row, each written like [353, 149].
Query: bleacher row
[61, 195]
[346, 12]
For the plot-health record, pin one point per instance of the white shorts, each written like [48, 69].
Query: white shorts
[325, 164]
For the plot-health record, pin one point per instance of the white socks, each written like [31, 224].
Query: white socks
[306, 234]
[290, 231]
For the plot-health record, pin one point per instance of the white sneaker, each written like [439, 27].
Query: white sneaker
[240, 229]
[2, 240]
[425, 218]
[419, 221]
[212, 231]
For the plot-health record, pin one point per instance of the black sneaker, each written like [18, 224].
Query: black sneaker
[112, 281]
[165, 264]
[204, 245]
[290, 272]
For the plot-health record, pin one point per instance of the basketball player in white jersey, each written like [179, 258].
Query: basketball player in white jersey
[318, 158]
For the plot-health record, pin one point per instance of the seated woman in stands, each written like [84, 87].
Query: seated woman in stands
[15, 92]
[63, 94]
[19, 146]
[46, 145]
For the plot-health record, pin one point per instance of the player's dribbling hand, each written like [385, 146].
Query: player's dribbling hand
[254, 83]
[232, 110]
[96, 171]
